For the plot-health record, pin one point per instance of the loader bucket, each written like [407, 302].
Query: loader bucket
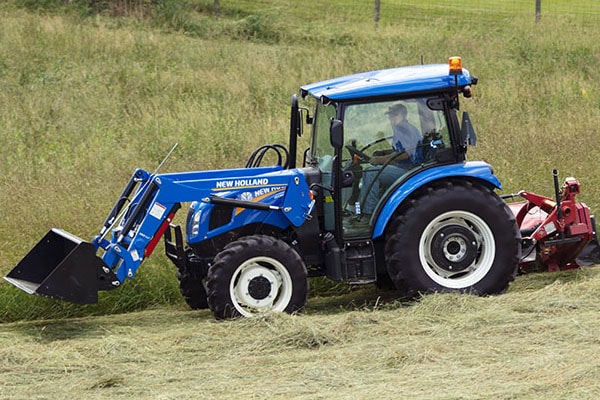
[62, 266]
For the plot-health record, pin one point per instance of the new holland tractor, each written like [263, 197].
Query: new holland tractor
[363, 205]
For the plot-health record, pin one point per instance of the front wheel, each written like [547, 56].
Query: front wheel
[455, 237]
[256, 274]
[192, 289]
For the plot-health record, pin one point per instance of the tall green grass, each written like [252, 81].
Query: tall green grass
[88, 97]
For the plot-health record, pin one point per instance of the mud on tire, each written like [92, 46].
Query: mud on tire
[454, 237]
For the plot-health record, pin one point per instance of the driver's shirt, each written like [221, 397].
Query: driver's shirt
[408, 138]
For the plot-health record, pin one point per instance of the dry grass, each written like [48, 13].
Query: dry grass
[538, 341]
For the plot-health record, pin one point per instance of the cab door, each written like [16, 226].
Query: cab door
[385, 142]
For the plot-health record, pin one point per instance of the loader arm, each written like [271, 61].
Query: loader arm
[158, 198]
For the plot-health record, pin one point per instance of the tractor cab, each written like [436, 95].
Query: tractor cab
[391, 125]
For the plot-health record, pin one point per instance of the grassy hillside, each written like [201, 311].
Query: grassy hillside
[89, 96]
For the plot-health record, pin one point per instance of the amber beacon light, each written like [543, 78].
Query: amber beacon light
[455, 64]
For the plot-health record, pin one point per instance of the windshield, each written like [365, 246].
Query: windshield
[399, 125]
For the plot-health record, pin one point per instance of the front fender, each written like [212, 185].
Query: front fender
[478, 170]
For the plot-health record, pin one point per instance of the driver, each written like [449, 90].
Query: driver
[406, 152]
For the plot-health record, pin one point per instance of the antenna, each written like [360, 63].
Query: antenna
[166, 158]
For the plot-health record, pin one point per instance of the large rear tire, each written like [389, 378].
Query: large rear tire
[455, 237]
[256, 274]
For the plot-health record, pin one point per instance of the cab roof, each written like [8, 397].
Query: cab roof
[394, 81]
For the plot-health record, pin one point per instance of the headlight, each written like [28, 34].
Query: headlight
[195, 228]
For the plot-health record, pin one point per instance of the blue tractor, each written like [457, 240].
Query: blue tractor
[384, 195]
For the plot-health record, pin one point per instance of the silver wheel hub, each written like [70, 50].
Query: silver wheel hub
[457, 249]
[260, 284]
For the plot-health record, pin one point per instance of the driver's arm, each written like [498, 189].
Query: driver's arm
[380, 160]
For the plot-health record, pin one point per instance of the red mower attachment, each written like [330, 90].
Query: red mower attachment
[555, 231]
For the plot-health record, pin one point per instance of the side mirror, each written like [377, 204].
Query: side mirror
[336, 133]
[467, 132]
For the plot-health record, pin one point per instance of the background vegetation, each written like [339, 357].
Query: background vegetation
[93, 89]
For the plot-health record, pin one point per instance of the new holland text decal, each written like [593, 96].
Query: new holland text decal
[241, 183]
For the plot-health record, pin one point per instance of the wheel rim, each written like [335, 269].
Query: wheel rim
[260, 284]
[457, 249]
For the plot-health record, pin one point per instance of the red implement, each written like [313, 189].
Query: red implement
[554, 231]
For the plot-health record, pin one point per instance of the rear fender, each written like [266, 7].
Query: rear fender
[477, 170]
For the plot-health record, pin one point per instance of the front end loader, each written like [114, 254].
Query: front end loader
[65, 267]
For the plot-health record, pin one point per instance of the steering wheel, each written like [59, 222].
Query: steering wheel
[356, 152]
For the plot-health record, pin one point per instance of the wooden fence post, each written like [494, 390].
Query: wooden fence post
[538, 10]
[376, 14]
[216, 9]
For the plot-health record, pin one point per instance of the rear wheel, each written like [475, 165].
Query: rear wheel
[456, 237]
[256, 274]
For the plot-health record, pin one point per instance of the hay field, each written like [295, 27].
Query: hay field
[537, 341]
